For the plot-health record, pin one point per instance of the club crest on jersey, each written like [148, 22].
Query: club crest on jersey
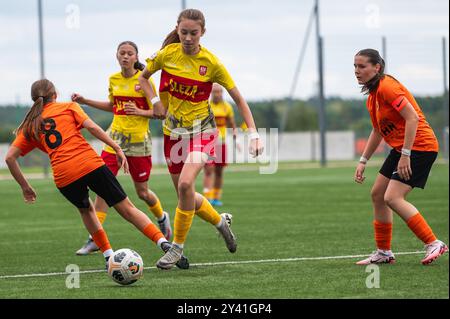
[137, 87]
[202, 69]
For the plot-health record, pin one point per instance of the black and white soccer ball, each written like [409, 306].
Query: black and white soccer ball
[125, 266]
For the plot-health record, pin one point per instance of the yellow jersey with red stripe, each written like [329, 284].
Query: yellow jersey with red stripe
[131, 132]
[185, 87]
[222, 111]
[384, 106]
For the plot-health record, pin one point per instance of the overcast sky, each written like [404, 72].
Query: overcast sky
[259, 42]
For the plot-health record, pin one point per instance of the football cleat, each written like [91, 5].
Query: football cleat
[183, 263]
[164, 226]
[87, 248]
[433, 251]
[172, 256]
[217, 202]
[378, 257]
[226, 233]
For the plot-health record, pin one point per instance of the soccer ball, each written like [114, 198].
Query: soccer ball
[125, 266]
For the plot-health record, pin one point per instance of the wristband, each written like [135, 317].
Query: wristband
[253, 135]
[155, 100]
[363, 160]
[406, 152]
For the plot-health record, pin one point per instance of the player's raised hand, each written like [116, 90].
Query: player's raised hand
[77, 98]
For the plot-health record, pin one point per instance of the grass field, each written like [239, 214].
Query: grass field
[284, 222]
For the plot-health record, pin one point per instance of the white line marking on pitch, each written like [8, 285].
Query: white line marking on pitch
[213, 264]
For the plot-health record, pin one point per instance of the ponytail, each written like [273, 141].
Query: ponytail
[172, 37]
[42, 92]
[139, 66]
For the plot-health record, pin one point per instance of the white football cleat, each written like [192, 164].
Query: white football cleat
[226, 233]
[433, 251]
[378, 257]
[171, 258]
[88, 248]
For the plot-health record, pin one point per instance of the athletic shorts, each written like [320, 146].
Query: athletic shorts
[220, 158]
[421, 163]
[176, 150]
[140, 166]
[101, 181]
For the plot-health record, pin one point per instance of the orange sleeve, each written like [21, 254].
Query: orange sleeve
[79, 114]
[399, 103]
[394, 94]
[23, 144]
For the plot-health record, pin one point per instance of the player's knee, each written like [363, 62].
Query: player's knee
[184, 187]
[390, 199]
[377, 196]
[142, 194]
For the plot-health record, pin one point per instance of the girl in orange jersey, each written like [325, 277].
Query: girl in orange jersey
[396, 118]
[54, 128]
[188, 71]
[129, 129]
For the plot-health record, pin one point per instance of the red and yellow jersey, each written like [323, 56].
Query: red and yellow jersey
[71, 156]
[222, 112]
[131, 132]
[384, 106]
[186, 83]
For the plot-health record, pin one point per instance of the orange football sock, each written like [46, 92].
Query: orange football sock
[208, 213]
[420, 227]
[152, 232]
[182, 224]
[383, 235]
[101, 240]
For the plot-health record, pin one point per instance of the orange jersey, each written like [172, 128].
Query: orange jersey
[71, 156]
[384, 106]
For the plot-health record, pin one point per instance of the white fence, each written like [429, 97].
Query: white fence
[293, 146]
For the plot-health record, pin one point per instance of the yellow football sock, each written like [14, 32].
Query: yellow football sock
[208, 213]
[182, 224]
[101, 216]
[157, 210]
[208, 193]
[217, 193]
